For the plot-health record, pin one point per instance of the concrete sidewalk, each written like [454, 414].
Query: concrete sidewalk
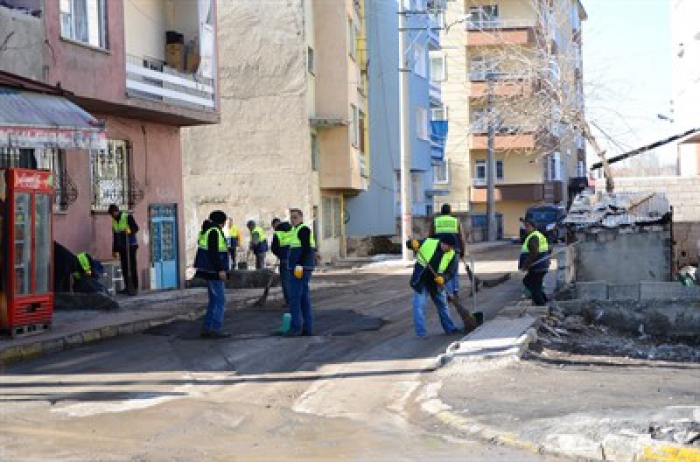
[585, 407]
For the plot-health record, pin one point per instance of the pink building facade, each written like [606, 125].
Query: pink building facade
[143, 84]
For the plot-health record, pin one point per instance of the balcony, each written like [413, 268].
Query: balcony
[503, 88]
[154, 80]
[343, 167]
[435, 92]
[495, 32]
[435, 24]
[533, 192]
[507, 137]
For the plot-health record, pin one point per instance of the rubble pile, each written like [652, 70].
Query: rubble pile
[682, 431]
[586, 334]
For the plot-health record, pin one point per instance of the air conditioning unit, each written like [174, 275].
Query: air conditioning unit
[437, 5]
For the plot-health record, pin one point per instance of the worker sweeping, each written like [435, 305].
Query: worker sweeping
[535, 259]
[435, 265]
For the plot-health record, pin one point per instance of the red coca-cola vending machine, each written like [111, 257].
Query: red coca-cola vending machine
[26, 247]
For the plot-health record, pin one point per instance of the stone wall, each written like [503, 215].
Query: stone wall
[684, 195]
[256, 163]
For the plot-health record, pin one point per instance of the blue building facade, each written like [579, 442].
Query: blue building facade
[375, 212]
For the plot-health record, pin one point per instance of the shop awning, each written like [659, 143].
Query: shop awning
[37, 120]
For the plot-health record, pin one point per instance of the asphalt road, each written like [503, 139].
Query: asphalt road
[347, 393]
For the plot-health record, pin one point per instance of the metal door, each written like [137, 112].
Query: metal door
[163, 224]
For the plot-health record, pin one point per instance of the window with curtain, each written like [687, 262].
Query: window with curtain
[84, 21]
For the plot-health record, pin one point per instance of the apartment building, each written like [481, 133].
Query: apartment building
[515, 68]
[376, 212]
[143, 69]
[293, 129]
[685, 28]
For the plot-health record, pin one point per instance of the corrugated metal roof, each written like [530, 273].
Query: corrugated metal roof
[38, 110]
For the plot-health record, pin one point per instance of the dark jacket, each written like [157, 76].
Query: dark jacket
[422, 277]
[210, 262]
[281, 252]
[119, 239]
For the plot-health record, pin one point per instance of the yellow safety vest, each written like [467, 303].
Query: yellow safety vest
[260, 232]
[84, 264]
[204, 239]
[285, 237]
[544, 244]
[446, 224]
[233, 231]
[428, 249]
[122, 225]
[295, 243]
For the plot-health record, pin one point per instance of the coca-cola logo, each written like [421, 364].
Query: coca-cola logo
[32, 180]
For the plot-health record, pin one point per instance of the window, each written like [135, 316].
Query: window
[438, 113]
[480, 171]
[110, 176]
[438, 67]
[441, 173]
[331, 217]
[310, 63]
[354, 126]
[361, 132]
[419, 61]
[555, 169]
[415, 187]
[84, 21]
[483, 16]
[352, 39]
[65, 193]
[315, 154]
[422, 123]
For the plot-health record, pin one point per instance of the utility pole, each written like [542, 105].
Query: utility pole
[490, 162]
[404, 135]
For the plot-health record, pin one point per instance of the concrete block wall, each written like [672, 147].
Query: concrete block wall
[637, 292]
[684, 195]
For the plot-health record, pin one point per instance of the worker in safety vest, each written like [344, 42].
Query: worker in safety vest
[125, 245]
[436, 263]
[87, 275]
[301, 261]
[258, 244]
[281, 241]
[447, 225]
[233, 239]
[212, 263]
[534, 258]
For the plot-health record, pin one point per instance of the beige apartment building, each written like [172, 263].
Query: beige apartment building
[293, 119]
[515, 65]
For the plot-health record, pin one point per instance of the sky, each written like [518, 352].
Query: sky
[627, 72]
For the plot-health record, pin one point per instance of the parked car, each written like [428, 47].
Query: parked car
[548, 220]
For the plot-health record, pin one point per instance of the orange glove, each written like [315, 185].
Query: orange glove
[439, 280]
[415, 245]
[299, 272]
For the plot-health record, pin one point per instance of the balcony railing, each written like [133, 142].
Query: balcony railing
[435, 91]
[152, 79]
[495, 23]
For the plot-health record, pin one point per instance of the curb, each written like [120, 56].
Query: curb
[614, 447]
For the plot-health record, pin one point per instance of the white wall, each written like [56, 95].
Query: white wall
[144, 28]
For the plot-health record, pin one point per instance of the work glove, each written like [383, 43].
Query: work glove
[298, 272]
[415, 245]
[128, 231]
[115, 254]
[439, 280]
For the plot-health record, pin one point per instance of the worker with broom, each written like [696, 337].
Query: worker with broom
[435, 265]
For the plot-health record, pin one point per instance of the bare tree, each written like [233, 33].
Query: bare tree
[532, 69]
